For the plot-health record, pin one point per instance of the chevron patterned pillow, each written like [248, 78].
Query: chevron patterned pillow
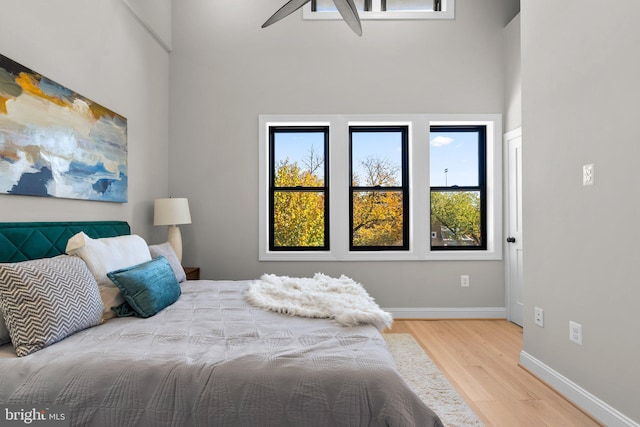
[46, 300]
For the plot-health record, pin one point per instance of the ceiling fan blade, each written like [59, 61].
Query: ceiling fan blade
[285, 11]
[350, 14]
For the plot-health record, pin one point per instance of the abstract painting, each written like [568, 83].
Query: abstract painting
[57, 143]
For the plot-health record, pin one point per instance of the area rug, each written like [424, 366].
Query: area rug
[423, 376]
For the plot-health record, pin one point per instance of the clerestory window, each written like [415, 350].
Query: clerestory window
[384, 9]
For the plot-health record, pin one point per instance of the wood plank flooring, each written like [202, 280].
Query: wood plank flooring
[480, 359]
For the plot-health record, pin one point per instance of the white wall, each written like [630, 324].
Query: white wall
[581, 103]
[101, 51]
[226, 70]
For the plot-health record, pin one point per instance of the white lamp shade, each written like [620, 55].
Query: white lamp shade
[171, 211]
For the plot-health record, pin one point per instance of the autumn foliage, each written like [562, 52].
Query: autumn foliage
[378, 213]
[298, 213]
[377, 209]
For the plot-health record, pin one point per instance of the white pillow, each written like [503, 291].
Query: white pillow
[105, 255]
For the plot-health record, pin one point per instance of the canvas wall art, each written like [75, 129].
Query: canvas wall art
[57, 143]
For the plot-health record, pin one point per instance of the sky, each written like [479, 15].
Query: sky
[297, 146]
[386, 146]
[455, 152]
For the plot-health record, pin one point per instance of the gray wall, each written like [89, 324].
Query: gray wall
[512, 76]
[226, 70]
[100, 50]
[581, 104]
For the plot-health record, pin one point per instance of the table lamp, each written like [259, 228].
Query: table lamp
[172, 212]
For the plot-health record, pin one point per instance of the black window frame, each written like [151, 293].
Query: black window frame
[272, 188]
[481, 187]
[404, 188]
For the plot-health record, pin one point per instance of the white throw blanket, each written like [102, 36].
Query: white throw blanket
[345, 301]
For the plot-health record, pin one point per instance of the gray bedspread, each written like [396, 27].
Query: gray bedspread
[211, 359]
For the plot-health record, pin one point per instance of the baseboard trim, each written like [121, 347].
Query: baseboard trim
[448, 312]
[586, 401]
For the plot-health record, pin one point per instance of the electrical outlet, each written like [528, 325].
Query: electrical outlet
[464, 281]
[587, 174]
[575, 332]
[539, 317]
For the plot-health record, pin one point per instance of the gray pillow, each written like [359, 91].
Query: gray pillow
[4, 332]
[167, 251]
[46, 300]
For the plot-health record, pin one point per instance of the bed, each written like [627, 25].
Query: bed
[209, 358]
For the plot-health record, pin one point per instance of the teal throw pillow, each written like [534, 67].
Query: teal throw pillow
[147, 288]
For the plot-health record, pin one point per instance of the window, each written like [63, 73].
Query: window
[411, 5]
[379, 199]
[458, 187]
[329, 5]
[375, 187]
[384, 9]
[298, 190]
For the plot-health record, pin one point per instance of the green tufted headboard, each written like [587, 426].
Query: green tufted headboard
[22, 241]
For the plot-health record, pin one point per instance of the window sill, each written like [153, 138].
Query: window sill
[378, 256]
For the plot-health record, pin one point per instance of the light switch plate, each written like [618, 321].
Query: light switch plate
[587, 174]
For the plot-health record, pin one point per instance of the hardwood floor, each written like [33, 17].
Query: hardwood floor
[480, 359]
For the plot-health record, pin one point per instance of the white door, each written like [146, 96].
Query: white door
[514, 255]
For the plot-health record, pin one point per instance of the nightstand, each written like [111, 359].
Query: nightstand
[193, 273]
